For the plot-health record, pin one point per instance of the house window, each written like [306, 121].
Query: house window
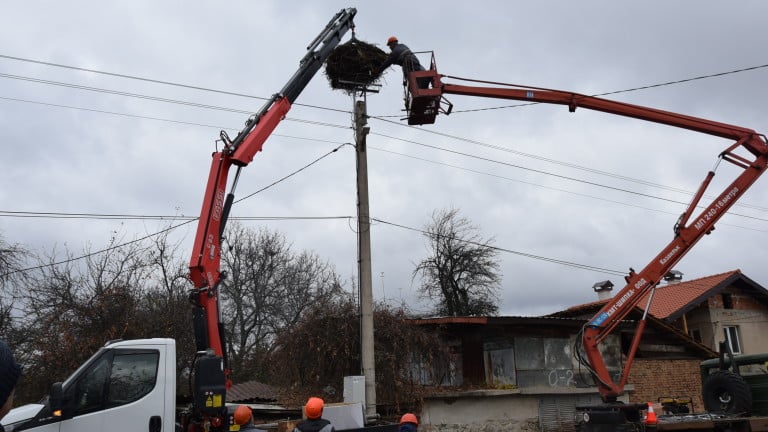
[695, 334]
[727, 301]
[732, 337]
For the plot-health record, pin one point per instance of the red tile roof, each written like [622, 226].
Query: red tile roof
[671, 298]
[668, 298]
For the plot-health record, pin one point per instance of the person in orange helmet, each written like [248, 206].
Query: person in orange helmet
[408, 423]
[243, 417]
[401, 55]
[313, 411]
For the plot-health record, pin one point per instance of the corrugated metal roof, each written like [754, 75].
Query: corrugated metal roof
[251, 391]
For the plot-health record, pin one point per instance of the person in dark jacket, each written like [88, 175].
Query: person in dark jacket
[402, 56]
[313, 411]
[10, 371]
[408, 423]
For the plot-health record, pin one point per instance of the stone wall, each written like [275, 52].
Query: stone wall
[499, 410]
[528, 425]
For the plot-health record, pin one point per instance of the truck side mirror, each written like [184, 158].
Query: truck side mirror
[58, 402]
[55, 399]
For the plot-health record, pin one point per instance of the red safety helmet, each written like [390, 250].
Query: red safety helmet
[409, 418]
[242, 415]
[391, 40]
[314, 408]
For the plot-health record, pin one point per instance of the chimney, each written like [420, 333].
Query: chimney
[673, 276]
[603, 289]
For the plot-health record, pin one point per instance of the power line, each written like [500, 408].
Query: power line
[433, 147]
[574, 179]
[98, 216]
[90, 254]
[540, 158]
[442, 149]
[166, 100]
[101, 216]
[514, 252]
[552, 161]
[157, 81]
[345, 127]
[475, 142]
[645, 87]
[121, 114]
[122, 93]
[545, 187]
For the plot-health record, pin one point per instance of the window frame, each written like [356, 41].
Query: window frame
[731, 333]
[106, 363]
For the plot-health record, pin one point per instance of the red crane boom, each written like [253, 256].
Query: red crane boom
[211, 370]
[424, 104]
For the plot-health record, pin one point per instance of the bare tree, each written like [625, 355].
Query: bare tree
[12, 258]
[164, 310]
[73, 306]
[462, 271]
[268, 288]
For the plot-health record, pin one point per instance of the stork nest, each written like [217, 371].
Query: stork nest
[353, 65]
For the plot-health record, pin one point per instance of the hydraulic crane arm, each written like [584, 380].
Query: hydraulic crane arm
[424, 104]
[211, 371]
[205, 263]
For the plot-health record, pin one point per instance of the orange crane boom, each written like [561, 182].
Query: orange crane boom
[748, 151]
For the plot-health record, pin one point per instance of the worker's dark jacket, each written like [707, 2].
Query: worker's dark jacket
[401, 55]
[316, 425]
[407, 427]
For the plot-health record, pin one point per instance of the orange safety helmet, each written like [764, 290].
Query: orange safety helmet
[242, 415]
[409, 418]
[391, 40]
[314, 408]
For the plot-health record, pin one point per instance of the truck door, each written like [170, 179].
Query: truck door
[123, 390]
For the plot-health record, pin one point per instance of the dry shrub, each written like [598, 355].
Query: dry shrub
[315, 355]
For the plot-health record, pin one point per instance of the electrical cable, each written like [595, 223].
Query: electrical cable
[514, 252]
[6, 274]
[213, 107]
[310, 122]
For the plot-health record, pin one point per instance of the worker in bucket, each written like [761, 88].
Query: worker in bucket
[401, 55]
[243, 417]
[315, 422]
[10, 371]
[408, 423]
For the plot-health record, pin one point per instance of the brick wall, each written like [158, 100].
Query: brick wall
[653, 379]
[740, 301]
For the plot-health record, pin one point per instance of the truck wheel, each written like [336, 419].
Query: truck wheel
[727, 393]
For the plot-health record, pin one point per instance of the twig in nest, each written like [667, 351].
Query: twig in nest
[354, 64]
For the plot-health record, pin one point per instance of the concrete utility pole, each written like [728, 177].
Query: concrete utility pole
[364, 258]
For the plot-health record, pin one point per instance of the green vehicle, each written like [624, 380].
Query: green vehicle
[735, 396]
[736, 384]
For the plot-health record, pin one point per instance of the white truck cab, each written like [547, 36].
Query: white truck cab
[127, 386]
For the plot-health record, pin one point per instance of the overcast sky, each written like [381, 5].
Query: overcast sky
[585, 188]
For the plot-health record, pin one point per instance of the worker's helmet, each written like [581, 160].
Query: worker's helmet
[391, 40]
[409, 418]
[242, 415]
[314, 408]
